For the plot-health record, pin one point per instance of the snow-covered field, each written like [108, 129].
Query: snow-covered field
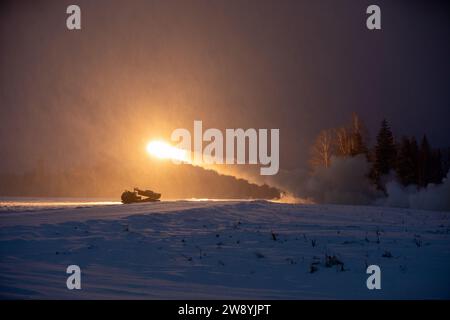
[249, 250]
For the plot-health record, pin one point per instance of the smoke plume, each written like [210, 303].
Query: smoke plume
[346, 182]
[433, 197]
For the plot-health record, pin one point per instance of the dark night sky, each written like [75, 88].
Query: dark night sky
[140, 69]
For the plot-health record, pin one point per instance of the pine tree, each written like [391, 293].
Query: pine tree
[425, 163]
[415, 161]
[385, 153]
[437, 170]
[406, 163]
[403, 163]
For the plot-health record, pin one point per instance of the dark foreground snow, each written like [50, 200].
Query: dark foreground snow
[252, 250]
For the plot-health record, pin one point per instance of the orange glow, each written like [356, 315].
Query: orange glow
[163, 150]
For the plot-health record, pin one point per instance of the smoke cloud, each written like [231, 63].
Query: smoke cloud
[346, 182]
[433, 197]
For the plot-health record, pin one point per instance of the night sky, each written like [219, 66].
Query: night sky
[140, 69]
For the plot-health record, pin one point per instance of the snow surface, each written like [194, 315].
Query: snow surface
[232, 249]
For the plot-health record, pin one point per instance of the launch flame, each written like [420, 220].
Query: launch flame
[163, 150]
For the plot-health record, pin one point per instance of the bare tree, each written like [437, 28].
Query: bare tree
[359, 136]
[343, 141]
[322, 149]
[352, 140]
[347, 141]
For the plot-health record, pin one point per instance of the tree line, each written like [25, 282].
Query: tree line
[411, 162]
